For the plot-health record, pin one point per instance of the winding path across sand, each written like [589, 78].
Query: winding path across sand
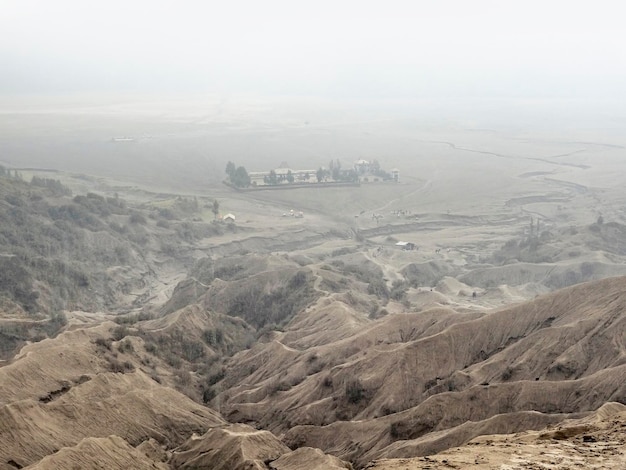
[514, 157]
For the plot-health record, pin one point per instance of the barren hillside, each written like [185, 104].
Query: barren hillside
[595, 442]
[560, 354]
[141, 327]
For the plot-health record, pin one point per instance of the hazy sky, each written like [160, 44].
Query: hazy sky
[379, 49]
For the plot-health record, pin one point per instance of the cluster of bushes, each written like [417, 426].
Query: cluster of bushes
[237, 175]
[194, 231]
[16, 283]
[378, 287]
[54, 187]
[178, 209]
[173, 347]
[76, 214]
[365, 271]
[529, 249]
[398, 289]
[206, 269]
[133, 318]
[354, 391]
[14, 335]
[373, 276]
[47, 240]
[120, 367]
[213, 337]
[103, 207]
[259, 307]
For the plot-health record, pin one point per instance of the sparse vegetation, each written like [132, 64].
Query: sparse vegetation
[132, 319]
[125, 347]
[278, 386]
[378, 287]
[398, 290]
[259, 305]
[328, 381]
[119, 332]
[239, 293]
[215, 378]
[137, 218]
[530, 249]
[354, 391]
[208, 395]
[213, 337]
[104, 343]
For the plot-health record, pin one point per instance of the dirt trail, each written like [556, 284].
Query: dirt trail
[380, 260]
[513, 157]
[393, 202]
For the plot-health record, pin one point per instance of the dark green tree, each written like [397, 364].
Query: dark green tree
[320, 173]
[241, 179]
[216, 208]
[273, 179]
[230, 170]
[336, 170]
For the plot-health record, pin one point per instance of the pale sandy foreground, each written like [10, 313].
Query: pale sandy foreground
[594, 442]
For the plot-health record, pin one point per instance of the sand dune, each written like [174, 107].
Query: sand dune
[240, 447]
[324, 337]
[533, 357]
[233, 447]
[58, 392]
[103, 452]
[309, 458]
[594, 442]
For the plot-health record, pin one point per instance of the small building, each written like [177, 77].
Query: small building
[258, 178]
[395, 174]
[407, 246]
[229, 218]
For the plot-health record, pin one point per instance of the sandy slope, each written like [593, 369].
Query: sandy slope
[309, 458]
[132, 406]
[99, 452]
[58, 392]
[560, 354]
[595, 442]
[235, 446]
[442, 366]
[62, 408]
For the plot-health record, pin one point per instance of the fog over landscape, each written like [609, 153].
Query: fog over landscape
[312, 235]
[205, 83]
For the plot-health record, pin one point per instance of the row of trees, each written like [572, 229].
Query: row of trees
[335, 172]
[274, 179]
[322, 174]
[237, 175]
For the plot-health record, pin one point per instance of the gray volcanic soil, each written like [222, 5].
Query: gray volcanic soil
[320, 329]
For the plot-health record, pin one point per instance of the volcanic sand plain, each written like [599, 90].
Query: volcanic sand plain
[462, 196]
